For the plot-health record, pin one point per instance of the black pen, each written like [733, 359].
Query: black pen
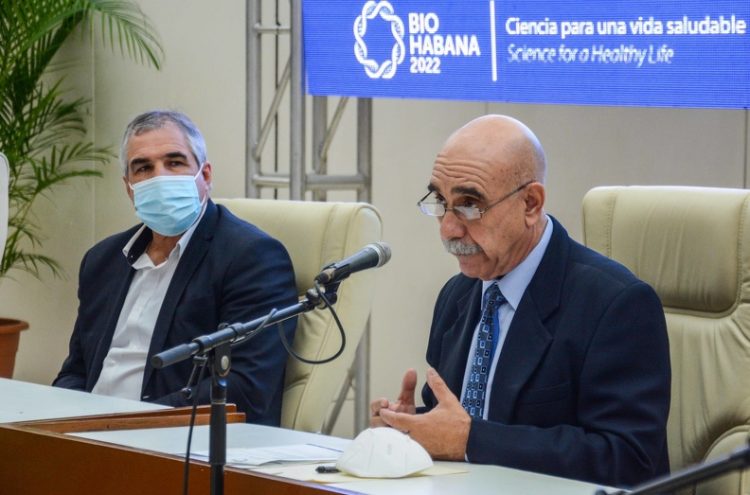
[327, 469]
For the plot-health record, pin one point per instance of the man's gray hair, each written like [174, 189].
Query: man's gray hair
[157, 119]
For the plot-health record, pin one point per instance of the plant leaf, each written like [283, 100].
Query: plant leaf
[42, 133]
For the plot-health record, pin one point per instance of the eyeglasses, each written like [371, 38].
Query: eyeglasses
[438, 208]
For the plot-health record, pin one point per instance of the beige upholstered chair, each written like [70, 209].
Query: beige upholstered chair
[692, 244]
[316, 234]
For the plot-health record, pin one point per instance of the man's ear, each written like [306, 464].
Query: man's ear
[535, 196]
[128, 191]
[207, 172]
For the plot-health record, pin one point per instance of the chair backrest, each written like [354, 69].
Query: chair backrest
[4, 170]
[692, 245]
[316, 234]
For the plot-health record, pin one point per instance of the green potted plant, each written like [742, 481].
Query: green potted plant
[42, 133]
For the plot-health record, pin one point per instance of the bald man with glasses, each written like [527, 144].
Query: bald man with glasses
[544, 355]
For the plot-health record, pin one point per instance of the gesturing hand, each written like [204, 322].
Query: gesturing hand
[444, 431]
[404, 403]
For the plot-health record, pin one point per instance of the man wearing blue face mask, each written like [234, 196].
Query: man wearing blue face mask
[189, 267]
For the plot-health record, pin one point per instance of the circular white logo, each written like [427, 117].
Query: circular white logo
[370, 11]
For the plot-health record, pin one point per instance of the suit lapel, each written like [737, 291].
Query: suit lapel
[524, 348]
[124, 274]
[189, 262]
[528, 338]
[121, 276]
[457, 340]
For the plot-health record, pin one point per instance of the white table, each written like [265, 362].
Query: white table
[478, 479]
[24, 401]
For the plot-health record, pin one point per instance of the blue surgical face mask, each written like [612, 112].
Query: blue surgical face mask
[168, 204]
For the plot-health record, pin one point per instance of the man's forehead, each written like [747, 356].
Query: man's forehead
[464, 176]
[167, 155]
[162, 141]
[168, 132]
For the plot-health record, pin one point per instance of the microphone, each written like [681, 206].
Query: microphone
[370, 256]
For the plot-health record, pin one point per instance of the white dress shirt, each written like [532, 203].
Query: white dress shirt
[122, 370]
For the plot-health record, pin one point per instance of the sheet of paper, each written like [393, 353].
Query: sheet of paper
[258, 456]
[306, 472]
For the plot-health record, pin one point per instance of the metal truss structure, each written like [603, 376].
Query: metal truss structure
[274, 38]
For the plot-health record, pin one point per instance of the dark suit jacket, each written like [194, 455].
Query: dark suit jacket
[230, 272]
[582, 385]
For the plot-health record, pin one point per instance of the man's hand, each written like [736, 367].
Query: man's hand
[444, 431]
[404, 404]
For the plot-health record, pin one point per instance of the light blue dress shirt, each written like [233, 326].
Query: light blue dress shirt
[512, 285]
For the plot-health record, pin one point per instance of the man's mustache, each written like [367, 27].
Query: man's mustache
[458, 248]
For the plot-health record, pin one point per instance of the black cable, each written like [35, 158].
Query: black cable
[255, 331]
[186, 471]
[329, 305]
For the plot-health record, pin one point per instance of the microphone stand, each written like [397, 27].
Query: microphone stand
[216, 347]
[219, 358]
[739, 459]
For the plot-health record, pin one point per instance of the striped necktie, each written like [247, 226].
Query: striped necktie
[481, 361]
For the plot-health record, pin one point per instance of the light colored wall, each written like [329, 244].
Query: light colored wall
[203, 75]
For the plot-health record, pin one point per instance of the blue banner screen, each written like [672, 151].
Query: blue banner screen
[674, 53]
